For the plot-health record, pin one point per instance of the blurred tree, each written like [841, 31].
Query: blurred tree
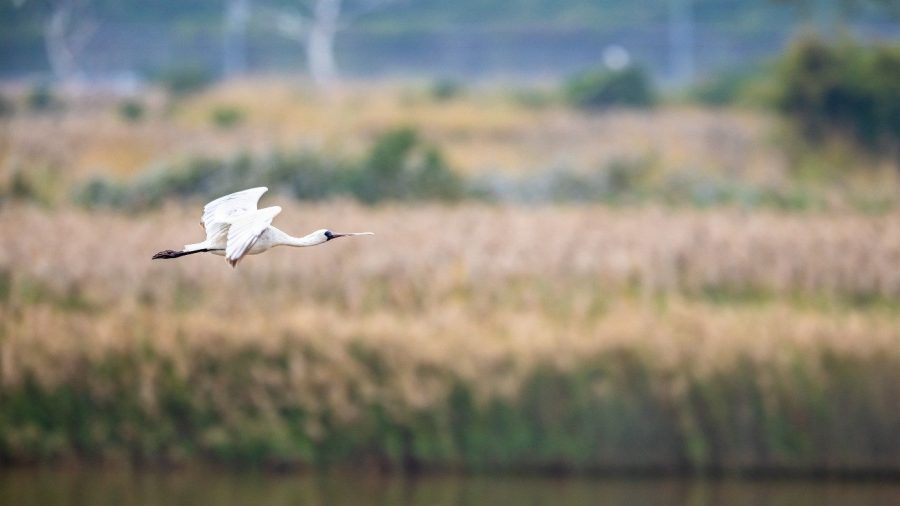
[842, 90]
[315, 23]
[234, 39]
[66, 34]
[681, 41]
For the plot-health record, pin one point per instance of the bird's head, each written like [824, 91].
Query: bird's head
[327, 235]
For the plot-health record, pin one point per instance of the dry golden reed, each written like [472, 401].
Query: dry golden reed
[423, 255]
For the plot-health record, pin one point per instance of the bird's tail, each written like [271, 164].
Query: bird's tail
[175, 254]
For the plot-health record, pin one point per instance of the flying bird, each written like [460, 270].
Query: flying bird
[235, 227]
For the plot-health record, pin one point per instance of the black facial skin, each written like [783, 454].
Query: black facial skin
[328, 235]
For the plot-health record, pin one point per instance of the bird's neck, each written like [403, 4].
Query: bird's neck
[300, 242]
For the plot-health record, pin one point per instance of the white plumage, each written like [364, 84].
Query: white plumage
[235, 228]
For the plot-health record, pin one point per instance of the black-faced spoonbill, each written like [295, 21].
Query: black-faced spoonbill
[235, 227]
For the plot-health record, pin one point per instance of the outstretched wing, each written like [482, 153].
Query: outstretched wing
[244, 231]
[220, 213]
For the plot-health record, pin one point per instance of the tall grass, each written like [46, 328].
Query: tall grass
[423, 255]
[471, 337]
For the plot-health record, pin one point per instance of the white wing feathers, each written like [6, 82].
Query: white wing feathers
[220, 213]
[232, 222]
[244, 230]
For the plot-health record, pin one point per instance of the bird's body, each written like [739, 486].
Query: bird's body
[236, 228]
[270, 238]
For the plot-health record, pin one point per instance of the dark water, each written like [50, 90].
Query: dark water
[107, 487]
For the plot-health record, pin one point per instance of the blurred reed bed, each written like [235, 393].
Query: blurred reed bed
[469, 337]
[485, 129]
[430, 254]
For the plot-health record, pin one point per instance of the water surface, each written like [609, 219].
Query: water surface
[106, 487]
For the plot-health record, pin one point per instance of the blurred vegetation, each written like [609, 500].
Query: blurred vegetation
[446, 89]
[7, 106]
[532, 98]
[642, 181]
[615, 410]
[399, 169]
[226, 117]
[41, 98]
[730, 87]
[399, 166]
[734, 160]
[644, 339]
[39, 185]
[407, 385]
[554, 338]
[131, 110]
[184, 80]
[629, 87]
[843, 90]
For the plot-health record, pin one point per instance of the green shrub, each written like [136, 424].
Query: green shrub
[7, 107]
[131, 110]
[629, 87]
[226, 117]
[445, 89]
[198, 176]
[42, 99]
[100, 192]
[725, 88]
[306, 175]
[180, 81]
[31, 183]
[400, 166]
[21, 187]
[842, 89]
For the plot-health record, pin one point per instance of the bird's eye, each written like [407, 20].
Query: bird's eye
[328, 234]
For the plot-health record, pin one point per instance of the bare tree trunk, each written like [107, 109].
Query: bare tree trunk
[66, 34]
[234, 43]
[681, 41]
[60, 57]
[316, 30]
[320, 43]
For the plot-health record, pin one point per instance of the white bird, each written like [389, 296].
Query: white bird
[235, 227]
